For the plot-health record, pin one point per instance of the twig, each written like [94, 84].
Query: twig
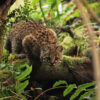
[96, 63]
[14, 93]
[9, 97]
[36, 98]
[91, 11]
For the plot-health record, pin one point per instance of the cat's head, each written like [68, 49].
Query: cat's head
[51, 55]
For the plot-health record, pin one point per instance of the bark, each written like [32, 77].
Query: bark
[4, 8]
[2, 31]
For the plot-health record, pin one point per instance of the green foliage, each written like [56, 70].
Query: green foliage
[69, 89]
[57, 14]
[60, 82]
[87, 94]
[87, 89]
[34, 2]
[24, 74]
[5, 93]
[22, 81]
[81, 88]
[19, 77]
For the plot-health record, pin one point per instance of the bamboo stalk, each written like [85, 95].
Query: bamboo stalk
[96, 63]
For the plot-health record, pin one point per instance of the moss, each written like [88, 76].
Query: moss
[68, 62]
[68, 45]
[71, 62]
[61, 37]
[2, 33]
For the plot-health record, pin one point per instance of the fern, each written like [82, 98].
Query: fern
[21, 84]
[60, 82]
[24, 74]
[86, 94]
[79, 89]
[69, 89]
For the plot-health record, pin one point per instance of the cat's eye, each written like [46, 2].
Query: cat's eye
[56, 58]
[48, 58]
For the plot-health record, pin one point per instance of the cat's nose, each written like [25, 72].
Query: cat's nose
[51, 64]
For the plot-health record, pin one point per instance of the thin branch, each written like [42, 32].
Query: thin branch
[91, 11]
[9, 97]
[85, 17]
[36, 98]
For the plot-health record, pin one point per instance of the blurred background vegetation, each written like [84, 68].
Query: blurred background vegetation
[63, 17]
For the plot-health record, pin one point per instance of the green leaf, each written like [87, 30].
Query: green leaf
[38, 89]
[69, 89]
[21, 86]
[86, 85]
[33, 2]
[22, 97]
[80, 89]
[19, 68]
[24, 74]
[59, 83]
[86, 94]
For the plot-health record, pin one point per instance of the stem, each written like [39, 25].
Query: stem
[9, 97]
[40, 4]
[48, 90]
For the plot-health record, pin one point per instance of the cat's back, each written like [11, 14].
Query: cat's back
[41, 33]
[23, 28]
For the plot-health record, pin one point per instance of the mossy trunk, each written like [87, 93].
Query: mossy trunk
[72, 69]
[2, 33]
[4, 8]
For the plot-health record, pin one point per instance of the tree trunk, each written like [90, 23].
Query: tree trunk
[2, 31]
[4, 8]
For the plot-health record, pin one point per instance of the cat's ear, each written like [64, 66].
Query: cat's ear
[60, 48]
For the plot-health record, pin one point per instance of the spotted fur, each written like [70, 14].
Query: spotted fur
[34, 41]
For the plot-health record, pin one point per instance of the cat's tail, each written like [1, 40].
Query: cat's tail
[8, 45]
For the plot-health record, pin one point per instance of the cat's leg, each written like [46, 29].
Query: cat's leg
[17, 49]
[32, 52]
[29, 45]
